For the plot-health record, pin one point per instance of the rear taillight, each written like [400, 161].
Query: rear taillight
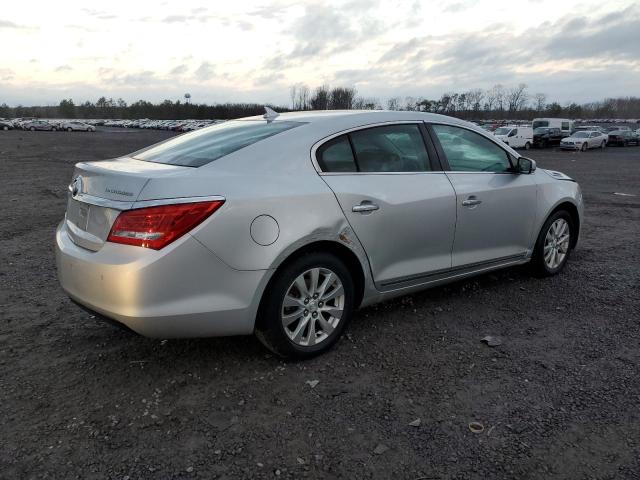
[156, 227]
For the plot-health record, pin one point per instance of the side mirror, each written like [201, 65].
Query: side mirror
[525, 165]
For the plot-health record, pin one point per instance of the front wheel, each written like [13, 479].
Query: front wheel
[33, 129]
[527, 146]
[603, 144]
[306, 307]
[553, 245]
[584, 147]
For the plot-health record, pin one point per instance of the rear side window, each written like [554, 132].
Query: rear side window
[468, 151]
[393, 148]
[390, 148]
[204, 146]
[336, 156]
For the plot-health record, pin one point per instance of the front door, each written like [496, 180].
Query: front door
[495, 207]
[401, 207]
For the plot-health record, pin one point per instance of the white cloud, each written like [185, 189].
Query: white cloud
[253, 50]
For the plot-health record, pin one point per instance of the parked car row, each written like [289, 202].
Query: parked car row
[561, 132]
[90, 125]
[174, 125]
[34, 124]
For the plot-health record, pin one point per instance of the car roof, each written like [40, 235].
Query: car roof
[344, 119]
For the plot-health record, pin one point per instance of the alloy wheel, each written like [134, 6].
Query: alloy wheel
[313, 306]
[556, 243]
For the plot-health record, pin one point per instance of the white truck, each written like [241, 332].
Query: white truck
[516, 136]
[564, 124]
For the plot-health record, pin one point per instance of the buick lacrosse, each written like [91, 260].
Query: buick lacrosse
[283, 225]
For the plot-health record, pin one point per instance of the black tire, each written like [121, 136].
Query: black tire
[269, 328]
[5, 128]
[33, 129]
[538, 265]
[584, 147]
[69, 129]
[527, 146]
[54, 129]
[603, 144]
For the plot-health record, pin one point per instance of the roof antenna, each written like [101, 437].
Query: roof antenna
[269, 114]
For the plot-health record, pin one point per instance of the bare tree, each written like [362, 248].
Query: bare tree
[293, 93]
[320, 99]
[475, 99]
[303, 97]
[517, 97]
[541, 101]
[342, 98]
[409, 104]
[393, 103]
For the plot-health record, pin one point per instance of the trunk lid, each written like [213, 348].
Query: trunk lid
[99, 191]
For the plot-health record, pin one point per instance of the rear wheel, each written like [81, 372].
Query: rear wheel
[527, 146]
[306, 307]
[33, 129]
[69, 129]
[5, 128]
[553, 245]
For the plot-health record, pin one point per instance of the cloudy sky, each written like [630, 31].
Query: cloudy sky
[254, 51]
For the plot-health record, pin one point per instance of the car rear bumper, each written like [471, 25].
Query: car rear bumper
[183, 290]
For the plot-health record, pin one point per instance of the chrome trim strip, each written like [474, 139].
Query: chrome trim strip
[324, 140]
[464, 269]
[174, 201]
[103, 202]
[466, 273]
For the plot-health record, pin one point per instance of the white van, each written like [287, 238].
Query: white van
[516, 136]
[564, 124]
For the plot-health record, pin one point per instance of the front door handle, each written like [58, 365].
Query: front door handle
[471, 201]
[365, 207]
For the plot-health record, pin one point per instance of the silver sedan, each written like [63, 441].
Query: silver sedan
[282, 226]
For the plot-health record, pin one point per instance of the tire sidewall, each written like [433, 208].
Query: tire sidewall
[269, 326]
[538, 255]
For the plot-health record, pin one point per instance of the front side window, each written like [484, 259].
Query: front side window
[514, 132]
[468, 151]
[208, 144]
[391, 148]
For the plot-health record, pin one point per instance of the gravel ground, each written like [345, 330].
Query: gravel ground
[394, 399]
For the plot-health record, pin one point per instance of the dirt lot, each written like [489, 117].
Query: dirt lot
[559, 399]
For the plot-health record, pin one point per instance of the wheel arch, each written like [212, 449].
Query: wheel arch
[345, 254]
[575, 218]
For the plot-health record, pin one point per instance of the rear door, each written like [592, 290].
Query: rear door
[396, 198]
[495, 207]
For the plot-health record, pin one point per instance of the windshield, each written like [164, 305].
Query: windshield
[502, 131]
[540, 130]
[581, 135]
[203, 146]
[540, 123]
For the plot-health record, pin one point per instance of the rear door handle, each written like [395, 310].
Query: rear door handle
[365, 207]
[471, 201]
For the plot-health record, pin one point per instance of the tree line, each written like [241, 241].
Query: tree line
[497, 102]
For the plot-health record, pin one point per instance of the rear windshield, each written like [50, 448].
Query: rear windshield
[540, 123]
[200, 147]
